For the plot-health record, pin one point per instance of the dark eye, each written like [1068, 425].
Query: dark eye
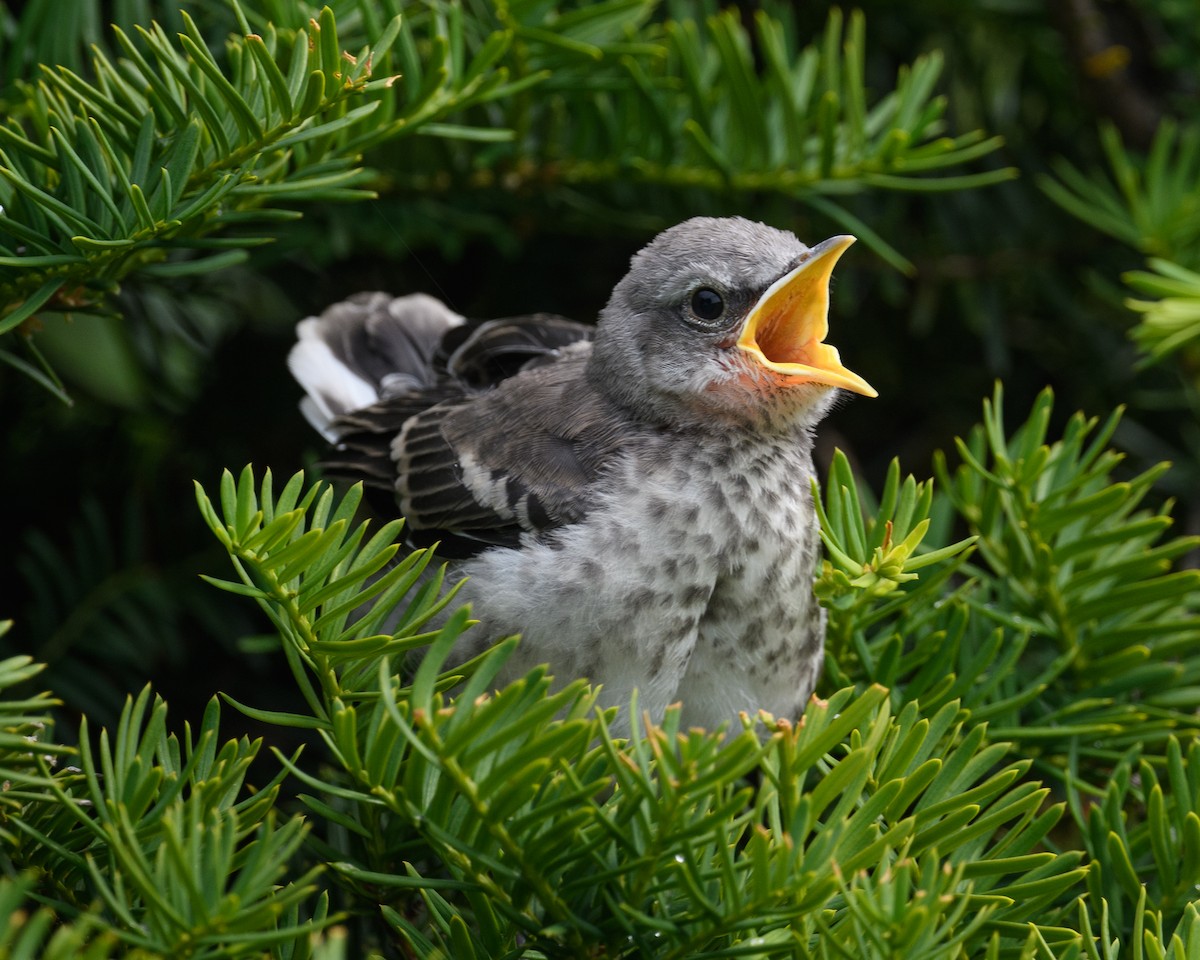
[707, 304]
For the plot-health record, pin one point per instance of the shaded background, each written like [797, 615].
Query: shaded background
[102, 546]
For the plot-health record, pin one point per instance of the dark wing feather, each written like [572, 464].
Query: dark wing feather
[364, 448]
[366, 347]
[496, 434]
[378, 336]
[485, 354]
[521, 458]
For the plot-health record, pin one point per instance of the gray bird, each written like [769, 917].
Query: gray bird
[637, 503]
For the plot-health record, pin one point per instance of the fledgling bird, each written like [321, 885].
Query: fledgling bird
[637, 504]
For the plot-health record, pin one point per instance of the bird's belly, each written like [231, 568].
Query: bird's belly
[760, 642]
[683, 591]
[616, 598]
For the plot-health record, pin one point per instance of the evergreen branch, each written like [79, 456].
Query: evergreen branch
[148, 190]
[871, 575]
[166, 146]
[1077, 556]
[691, 109]
[158, 831]
[325, 589]
[43, 935]
[1149, 203]
[693, 874]
[1152, 205]
[1157, 855]
[1171, 322]
[1063, 554]
[25, 732]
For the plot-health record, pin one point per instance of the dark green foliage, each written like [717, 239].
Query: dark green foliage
[1078, 565]
[99, 609]
[1153, 206]
[161, 149]
[1066, 627]
[1004, 763]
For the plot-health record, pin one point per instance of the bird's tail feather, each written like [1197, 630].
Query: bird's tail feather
[363, 349]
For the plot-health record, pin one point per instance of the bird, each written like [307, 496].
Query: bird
[632, 497]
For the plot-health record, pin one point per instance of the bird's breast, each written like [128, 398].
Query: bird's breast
[731, 522]
[695, 561]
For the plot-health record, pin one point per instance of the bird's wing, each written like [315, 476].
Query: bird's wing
[478, 471]
[505, 436]
[481, 355]
[525, 452]
[362, 451]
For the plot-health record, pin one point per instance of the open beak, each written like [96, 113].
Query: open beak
[785, 331]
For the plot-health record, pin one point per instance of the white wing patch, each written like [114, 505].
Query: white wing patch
[332, 387]
[487, 487]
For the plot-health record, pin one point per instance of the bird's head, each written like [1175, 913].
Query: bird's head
[723, 318]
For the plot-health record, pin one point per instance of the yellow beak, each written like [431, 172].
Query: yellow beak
[785, 331]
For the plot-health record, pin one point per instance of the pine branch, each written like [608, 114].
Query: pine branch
[160, 832]
[26, 728]
[1073, 636]
[1154, 855]
[1150, 203]
[719, 109]
[1073, 631]
[1171, 322]
[168, 145]
[1153, 205]
[1071, 554]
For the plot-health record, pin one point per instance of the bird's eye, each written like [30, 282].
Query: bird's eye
[707, 304]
